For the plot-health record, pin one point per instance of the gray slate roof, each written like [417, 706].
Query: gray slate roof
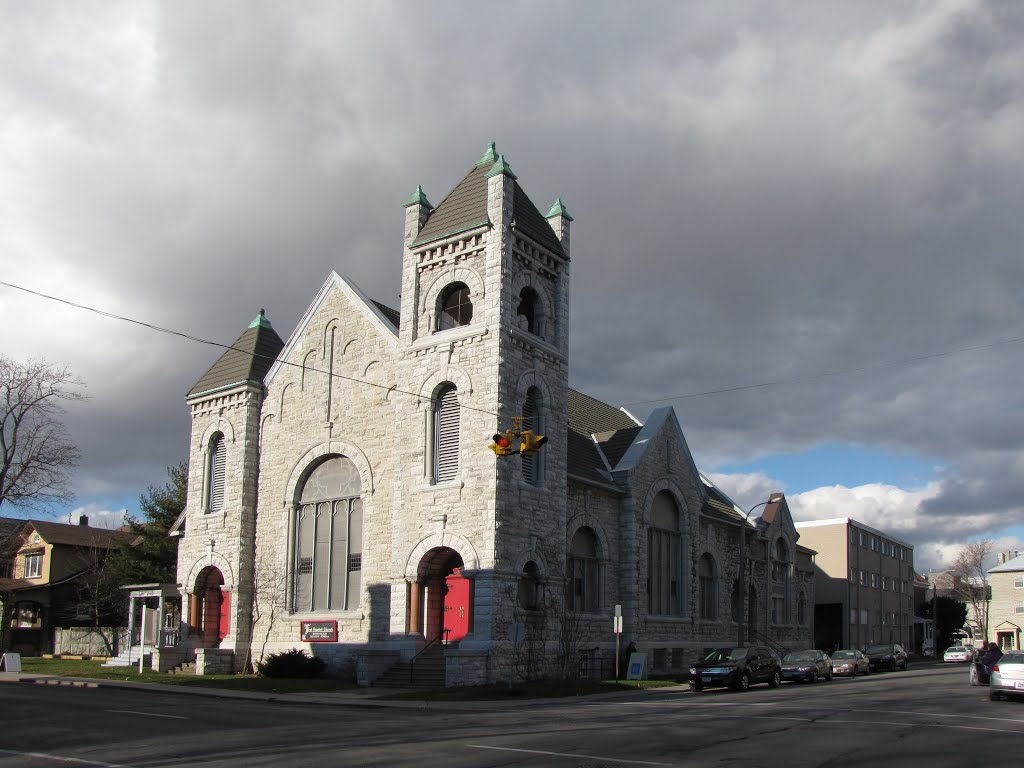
[465, 207]
[1014, 564]
[247, 360]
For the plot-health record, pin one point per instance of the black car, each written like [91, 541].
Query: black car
[889, 656]
[736, 668]
[811, 666]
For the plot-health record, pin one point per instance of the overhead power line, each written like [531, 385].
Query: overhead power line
[667, 398]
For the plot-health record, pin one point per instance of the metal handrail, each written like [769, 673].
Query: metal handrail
[775, 645]
[443, 634]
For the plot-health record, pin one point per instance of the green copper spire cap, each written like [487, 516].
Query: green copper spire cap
[260, 321]
[501, 167]
[559, 209]
[418, 198]
[489, 156]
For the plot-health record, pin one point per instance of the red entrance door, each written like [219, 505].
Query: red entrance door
[225, 616]
[456, 606]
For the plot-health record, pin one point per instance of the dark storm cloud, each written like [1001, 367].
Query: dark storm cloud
[761, 194]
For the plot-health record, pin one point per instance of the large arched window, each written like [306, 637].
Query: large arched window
[216, 465]
[780, 582]
[533, 419]
[582, 576]
[445, 434]
[454, 307]
[707, 577]
[329, 538]
[665, 573]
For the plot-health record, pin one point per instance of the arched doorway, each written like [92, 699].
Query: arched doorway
[440, 600]
[209, 610]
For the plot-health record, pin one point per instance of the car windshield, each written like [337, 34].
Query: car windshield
[879, 649]
[726, 654]
[955, 649]
[800, 656]
[844, 655]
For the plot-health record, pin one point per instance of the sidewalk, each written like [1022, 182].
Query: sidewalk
[365, 697]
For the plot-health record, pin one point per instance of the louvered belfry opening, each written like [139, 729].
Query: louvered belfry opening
[215, 480]
[532, 421]
[446, 434]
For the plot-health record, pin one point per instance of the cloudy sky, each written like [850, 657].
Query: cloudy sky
[798, 224]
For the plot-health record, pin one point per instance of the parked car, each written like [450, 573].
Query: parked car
[850, 663]
[958, 653]
[737, 668]
[1007, 677]
[806, 665]
[889, 656]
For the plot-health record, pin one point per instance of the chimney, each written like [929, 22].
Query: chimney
[83, 520]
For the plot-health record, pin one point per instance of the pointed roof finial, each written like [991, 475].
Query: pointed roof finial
[489, 156]
[559, 209]
[418, 198]
[260, 321]
[501, 167]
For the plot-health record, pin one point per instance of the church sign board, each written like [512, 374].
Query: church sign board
[319, 631]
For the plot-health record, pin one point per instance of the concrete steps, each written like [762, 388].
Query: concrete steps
[427, 671]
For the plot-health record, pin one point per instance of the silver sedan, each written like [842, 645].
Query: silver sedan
[1007, 676]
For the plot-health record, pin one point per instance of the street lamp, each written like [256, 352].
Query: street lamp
[742, 589]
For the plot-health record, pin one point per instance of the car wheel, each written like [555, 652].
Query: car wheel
[743, 683]
[814, 677]
[828, 677]
[776, 679]
[994, 695]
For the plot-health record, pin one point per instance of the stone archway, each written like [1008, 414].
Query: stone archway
[440, 598]
[209, 609]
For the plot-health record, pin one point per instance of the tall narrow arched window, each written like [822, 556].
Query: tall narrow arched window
[582, 573]
[780, 582]
[446, 434]
[529, 587]
[528, 314]
[533, 419]
[801, 610]
[328, 531]
[665, 573]
[455, 307]
[707, 577]
[216, 466]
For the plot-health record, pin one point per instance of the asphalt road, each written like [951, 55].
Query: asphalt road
[928, 716]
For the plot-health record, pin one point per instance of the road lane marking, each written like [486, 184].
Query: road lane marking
[59, 759]
[566, 754]
[146, 714]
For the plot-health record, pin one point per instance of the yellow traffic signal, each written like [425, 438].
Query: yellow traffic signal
[502, 444]
[531, 442]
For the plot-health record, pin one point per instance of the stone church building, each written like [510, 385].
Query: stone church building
[342, 497]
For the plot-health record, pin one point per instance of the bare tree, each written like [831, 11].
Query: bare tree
[269, 598]
[969, 565]
[36, 454]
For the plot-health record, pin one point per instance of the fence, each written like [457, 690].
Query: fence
[89, 641]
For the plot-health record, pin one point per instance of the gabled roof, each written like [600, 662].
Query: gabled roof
[465, 208]
[1016, 564]
[247, 360]
[79, 535]
[590, 416]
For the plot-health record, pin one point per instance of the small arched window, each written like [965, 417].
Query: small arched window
[533, 464]
[446, 434]
[529, 587]
[780, 582]
[216, 466]
[665, 591]
[528, 312]
[455, 307]
[582, 572]
[801, 610]
[707, 576]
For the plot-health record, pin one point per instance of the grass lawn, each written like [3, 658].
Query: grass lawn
[534, 689]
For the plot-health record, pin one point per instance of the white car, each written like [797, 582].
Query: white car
[1007, 676]
[959, 653]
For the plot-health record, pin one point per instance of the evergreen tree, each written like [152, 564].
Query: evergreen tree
[154, 558]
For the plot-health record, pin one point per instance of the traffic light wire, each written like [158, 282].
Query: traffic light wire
[200, 340]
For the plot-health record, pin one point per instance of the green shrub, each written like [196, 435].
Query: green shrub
[293, 663]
